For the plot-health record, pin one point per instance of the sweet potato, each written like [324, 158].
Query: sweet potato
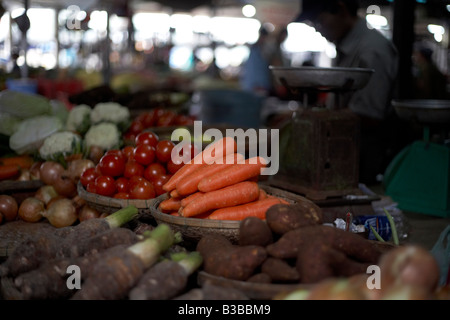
[166, 279]
[260, 278]
[227, 260]
[282, 218]
[280, 271]
[352, 245]
[254, 231]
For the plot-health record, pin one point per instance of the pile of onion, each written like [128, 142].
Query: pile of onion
[8, 208]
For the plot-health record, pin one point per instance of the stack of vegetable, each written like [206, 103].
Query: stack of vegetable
[219, 184]
[134, 172]
[99, 259]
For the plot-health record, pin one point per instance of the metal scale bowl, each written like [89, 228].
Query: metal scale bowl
[418, 178]
[319, 155]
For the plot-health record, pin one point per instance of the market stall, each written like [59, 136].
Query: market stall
[158, 184]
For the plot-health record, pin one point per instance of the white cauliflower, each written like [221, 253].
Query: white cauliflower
[79, 119]
[59, 145]
[111, 112]
[104, 135]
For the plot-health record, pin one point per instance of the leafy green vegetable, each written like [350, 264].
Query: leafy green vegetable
[32, 132]
[8, 123]
[23, 105]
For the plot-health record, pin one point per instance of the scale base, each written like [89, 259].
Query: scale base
[418, 179]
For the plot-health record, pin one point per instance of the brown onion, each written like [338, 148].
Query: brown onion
[31, 209]
[35, 171]
[95, 153]
[61, 213]
[76, 167]
[46, 194]
[65, 186]
[8, 207]
[50, 171]
[409, 265]
[87, 212]
[24, 176]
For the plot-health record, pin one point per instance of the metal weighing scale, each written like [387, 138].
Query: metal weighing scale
[320, 156]
[418, 178]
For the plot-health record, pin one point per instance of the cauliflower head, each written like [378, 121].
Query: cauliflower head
[59, 145]
[79, 119]
[104, 135]
[111, 112]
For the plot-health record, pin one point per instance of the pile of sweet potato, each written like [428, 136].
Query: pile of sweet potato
[290, 246]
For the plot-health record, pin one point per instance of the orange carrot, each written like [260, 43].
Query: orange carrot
[234, 195]
[214, 151]
[256, 208]
[170, 204]
[188, 184]
[281, 200]
[174, 193]
[232, 174]
[185, 201]
[9, 171]
[23, 161]
[262, 194]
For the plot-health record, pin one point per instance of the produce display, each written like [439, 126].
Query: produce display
[219, 185]
[133, 172]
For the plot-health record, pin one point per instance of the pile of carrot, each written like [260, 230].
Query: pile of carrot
[10, 167]
[218, 184]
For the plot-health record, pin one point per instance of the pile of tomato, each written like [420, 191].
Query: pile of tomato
[134, 172]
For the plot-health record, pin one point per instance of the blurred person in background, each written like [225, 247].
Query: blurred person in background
[430, 82]
[255, 74]
[357, 46]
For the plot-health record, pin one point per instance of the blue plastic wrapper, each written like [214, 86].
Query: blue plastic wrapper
[378, 222]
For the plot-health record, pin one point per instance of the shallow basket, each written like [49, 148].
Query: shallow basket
[111, 205]
[193, 229]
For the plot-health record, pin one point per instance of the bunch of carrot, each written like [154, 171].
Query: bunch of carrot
[220, 184]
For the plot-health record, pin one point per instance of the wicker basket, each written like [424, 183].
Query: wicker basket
[111, 205]
[193, 229]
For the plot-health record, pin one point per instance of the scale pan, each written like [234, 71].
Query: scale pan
[322, 79]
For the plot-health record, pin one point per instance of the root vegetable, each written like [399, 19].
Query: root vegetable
[216, 150]
[65, 186]
[50, 171]
[351, 244]
[221, 258]
[254, 231]
[240, 193]
[280, 271]
[31, 210]
[252, 209]
[61, 213]
[170, 204]
[46, 193]
[189, 184]
[233, 174]
[35, 250]
[166, 279]
[87, 212]
[283, 218]
[185, 201]
[409, 265]
[115, 275]
[75, 168]
[260, 278]
[8, 207]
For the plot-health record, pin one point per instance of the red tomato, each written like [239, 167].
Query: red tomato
[136, 127]
[127, 151]
[89, 175]
[122, 195]
[147, 137]
[122, 184]
[111, 165]
[91, 187]
[173, 167]
[132, 168]
[149, 119]
[115, 152]
[105, 186]
[154, 170]
[164, 150]
[142, 190]
[144, 154]
[167, 119]
[129, 137]
[133, 180]
[158, 183]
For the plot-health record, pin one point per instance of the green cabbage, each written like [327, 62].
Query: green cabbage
[32, 132]
[23, 105]
[8, 124]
